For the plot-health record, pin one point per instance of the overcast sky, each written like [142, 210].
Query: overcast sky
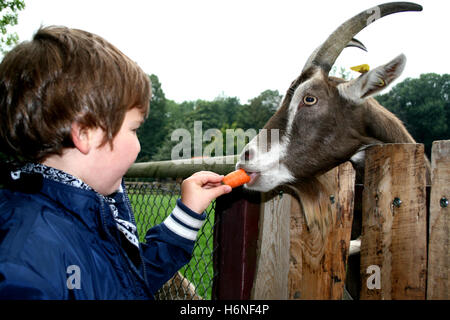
[201, 49]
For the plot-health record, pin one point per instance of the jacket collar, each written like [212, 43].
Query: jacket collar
[109, 216]
[67, 191]
[79, 198]
[55, 175]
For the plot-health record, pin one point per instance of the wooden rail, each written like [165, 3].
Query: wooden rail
[181, 168]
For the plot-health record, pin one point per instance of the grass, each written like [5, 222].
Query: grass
[151, 208]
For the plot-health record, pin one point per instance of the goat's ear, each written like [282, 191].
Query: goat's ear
[373, 81]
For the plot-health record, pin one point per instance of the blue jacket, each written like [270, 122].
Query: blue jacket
[62, 241]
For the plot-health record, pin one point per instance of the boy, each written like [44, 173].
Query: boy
[70, 105]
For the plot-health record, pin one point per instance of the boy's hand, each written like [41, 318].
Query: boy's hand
[201, 188]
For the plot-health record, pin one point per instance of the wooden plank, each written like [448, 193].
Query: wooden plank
[235, 241]
[181, 168]
[271, 278]
[393, 242]
[438, 282]
[319, 251]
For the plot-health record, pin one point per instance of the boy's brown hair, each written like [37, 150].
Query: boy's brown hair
[60, 77]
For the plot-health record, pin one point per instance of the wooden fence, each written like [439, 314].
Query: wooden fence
[290, 244]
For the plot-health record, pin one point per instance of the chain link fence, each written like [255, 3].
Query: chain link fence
[152, 201]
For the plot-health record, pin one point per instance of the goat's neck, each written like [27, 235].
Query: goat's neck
[382, 126]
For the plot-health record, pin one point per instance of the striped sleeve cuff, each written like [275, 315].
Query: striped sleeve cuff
[185, 222]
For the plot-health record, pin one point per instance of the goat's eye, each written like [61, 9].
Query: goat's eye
[309, 100]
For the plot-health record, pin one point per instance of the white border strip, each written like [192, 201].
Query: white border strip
[187, 219]
[179, 229]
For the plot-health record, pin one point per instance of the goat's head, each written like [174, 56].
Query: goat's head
[321, 121]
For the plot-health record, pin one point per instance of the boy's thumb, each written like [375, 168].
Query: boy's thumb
[220, 190]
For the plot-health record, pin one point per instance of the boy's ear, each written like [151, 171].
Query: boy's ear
[373, 81]
[80, 138]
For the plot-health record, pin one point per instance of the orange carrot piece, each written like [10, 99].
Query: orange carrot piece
[236, 178]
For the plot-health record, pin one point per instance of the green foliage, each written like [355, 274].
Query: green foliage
[9, 13]
[175, 118]
[341, 73]
[222, 113]
[258, 112]
[214, 114]
[153, 131]
[423, 105]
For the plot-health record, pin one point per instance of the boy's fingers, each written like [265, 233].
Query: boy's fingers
[201, 188]
[205, 173]
[210, 185]
[218, 191]
[209, 178]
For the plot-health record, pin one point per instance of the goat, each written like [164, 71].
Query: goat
[324, 121]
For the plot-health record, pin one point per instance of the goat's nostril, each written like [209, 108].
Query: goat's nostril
[248, 155]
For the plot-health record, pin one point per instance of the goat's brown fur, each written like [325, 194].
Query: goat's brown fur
[342, 120]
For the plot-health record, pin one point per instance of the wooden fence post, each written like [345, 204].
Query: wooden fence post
[235, 239]
[438, 282]
[393, 243]
[271, 276]
[297, 262]
[318, 265]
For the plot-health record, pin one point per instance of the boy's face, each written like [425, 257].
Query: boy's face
[110, 165]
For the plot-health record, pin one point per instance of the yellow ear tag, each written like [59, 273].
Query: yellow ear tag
[363, 68]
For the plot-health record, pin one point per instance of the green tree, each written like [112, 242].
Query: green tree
[153, 130]
[176, 119]
[222, 113]
[8, 17]
[341, 73]
[9, 12]
[258, 111]
[423, 105]
[216, 113]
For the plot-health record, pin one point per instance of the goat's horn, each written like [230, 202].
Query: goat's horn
[325, 56]
[356, 43]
